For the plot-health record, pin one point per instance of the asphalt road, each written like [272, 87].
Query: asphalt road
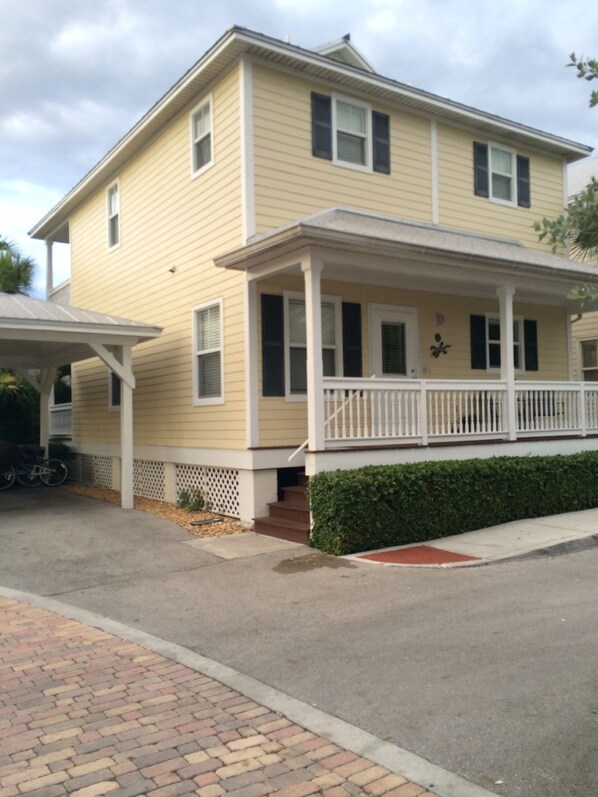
[490, 672]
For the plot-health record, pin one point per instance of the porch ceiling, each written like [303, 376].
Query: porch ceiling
[40, 334]
[362, 247]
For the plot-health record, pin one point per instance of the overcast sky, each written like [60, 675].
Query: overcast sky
[75, 75]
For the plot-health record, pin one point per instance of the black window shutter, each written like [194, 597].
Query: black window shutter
[480, 169]
[272, 345]
[381, 142]
[523, 182]
[321, 126]
[352, 340]
[530, 342]
[477, 330]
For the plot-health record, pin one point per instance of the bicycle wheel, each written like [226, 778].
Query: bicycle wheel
[7, 479]
[28, 474]
[53, 472]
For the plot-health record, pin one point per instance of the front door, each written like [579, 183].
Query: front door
[393, 342]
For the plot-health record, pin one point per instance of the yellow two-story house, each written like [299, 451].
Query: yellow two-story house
[345, 271]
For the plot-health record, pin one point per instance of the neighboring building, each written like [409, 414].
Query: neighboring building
[585, 328]
[335, 258]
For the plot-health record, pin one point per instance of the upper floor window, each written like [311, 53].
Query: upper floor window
[113, 207]
[501, 175]
[589, 360]
[207, 333]
[201, 137]
[350, 134]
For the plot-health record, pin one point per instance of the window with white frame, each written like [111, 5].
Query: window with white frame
[201, 137]
[114, 390]
[296, 342]
[207, 331]
[589, 360]
[502, 171]
[113, 208]
[493, 343]
[352, 139]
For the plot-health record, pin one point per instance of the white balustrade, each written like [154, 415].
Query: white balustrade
[361, 411]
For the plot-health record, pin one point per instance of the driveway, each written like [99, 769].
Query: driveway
[489, 672]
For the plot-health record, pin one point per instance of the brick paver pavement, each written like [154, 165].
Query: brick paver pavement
[83, 713]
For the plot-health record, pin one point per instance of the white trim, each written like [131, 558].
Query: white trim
[117, 215]
[367, 108]
[207, 100]
[513, 176]
[49, 268]
[521, 343]
[247, 164]
[569, 327]
[252, 423]
[198, 401]
[126, 432]
[338, 332]
[434, 169]
[240, 459]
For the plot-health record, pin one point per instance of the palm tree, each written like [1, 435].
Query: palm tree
[16, 271]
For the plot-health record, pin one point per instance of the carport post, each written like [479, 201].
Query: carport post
[126, 432]
[46, 381]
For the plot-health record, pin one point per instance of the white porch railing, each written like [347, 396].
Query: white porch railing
[61, 420]
[370, 411]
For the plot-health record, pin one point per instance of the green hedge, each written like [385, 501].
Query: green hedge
[377, 507]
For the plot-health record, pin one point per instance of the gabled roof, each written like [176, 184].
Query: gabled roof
[237, 42]
[35, 333]
[346, 52]
[580, 174]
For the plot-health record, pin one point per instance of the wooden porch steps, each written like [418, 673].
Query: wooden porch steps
[287, 519]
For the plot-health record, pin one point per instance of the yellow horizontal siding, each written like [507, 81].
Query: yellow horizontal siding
[460, 208]
[290, 182]
[171, 227]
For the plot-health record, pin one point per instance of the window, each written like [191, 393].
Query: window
[208, 354]
[589, 360]
[113, 391]
[485, 343]
[350, 134]
[113, 216]
[493, 342]
[501, 175]
[201, 137]
[296, 378]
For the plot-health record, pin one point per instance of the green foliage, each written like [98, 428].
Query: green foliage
[377, 507]
[577, 227]
[587, 68]
[192, 499]
[19, 410]
[60, 451]
[16, 271]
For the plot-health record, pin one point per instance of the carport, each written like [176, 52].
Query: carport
[40, 336]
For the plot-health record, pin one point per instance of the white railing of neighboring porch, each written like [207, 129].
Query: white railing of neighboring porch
[366, 411]
[61, 420]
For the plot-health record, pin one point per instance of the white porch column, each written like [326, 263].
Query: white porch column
[312, 272]
[126, 433]
[49, 268]
[507, 363]
[252, 432]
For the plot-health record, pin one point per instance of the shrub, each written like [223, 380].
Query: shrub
[377, 507]
[60, 451]
[191, 499]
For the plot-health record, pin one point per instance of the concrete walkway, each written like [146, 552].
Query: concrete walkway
[507, 541]
[87, 713]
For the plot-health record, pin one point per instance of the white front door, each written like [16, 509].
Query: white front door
[393, 341]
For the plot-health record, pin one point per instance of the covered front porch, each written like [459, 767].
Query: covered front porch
[508, 323]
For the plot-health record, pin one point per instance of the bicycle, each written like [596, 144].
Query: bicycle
[30, 469]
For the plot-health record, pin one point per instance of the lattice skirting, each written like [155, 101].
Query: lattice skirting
[220, 486]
